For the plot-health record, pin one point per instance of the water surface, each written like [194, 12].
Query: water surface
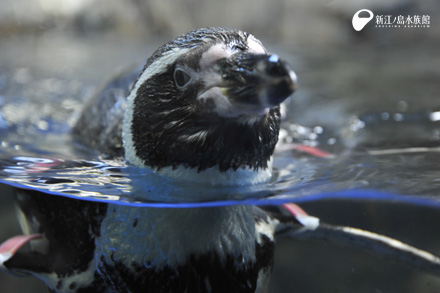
[378, 123]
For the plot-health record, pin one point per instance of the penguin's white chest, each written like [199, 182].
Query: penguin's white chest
[167, 237]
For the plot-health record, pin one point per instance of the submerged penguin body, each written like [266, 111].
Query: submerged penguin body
[98, 247]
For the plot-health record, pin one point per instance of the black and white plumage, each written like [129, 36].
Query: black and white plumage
[95, 247]
[206, 104]
[205, 108]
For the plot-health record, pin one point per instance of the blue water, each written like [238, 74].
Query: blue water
[36, 161]
[380, 123]
[383, 147]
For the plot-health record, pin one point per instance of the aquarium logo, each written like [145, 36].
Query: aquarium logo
[362, 17]
[409, 21]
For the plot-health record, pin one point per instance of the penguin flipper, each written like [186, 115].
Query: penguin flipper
[380, 245]
[9, 248]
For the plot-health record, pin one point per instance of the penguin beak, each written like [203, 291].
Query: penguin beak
[256, 81]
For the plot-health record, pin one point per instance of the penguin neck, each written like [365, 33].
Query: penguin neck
[213, 176]
[168, 237]
[190, 138]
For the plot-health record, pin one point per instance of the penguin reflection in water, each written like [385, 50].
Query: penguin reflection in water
[204, 109]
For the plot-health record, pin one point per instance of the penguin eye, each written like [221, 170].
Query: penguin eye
[181, 77]
[239, 47]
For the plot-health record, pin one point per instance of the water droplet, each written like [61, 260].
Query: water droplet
[318, 129]
[331, 141]
[43, 125]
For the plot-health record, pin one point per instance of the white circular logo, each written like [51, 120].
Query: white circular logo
[360, 22]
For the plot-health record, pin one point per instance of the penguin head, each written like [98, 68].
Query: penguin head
[208, 100]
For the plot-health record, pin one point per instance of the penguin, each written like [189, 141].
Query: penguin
[204, 109]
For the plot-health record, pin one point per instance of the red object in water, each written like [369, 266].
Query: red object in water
[309, 222]
[10, 246]
[295, 210]
[312, 151]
